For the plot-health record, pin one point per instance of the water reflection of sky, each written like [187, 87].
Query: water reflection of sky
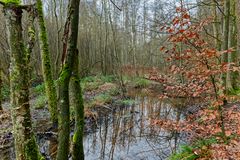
[129, 135]
[126, 134]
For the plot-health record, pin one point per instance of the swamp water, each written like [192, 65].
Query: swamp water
[126, 133]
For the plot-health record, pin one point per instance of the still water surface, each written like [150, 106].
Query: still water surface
[126, 133]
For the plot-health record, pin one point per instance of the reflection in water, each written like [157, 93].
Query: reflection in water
[125, 134]
[128, 133]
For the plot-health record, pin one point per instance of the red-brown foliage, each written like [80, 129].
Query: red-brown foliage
[195, 71]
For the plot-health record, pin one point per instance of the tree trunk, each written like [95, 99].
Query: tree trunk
[77, 99]
[237, 10]
[238, 25]
[46, 65]
[1, 84]
[233, 77]
[216, 27]
[25, 143]
[226, 40]
[72, 36]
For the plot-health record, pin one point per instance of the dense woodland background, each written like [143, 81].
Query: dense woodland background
[110, 37]
[113, 35]
[191, 47]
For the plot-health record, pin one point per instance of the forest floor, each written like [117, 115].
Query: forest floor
[103, 95]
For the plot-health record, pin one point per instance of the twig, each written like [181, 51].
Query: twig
[219, 7]
[116, 6]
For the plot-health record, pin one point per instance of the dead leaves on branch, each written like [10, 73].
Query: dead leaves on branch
[206, 124]
[194, 66]
[196, 70]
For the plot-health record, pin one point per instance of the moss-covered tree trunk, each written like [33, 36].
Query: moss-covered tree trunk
[46, 65]
[1, 84]
[25, 143]
[77, 102]
[72, 36]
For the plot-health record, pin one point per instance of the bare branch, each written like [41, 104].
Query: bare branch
[116, 6]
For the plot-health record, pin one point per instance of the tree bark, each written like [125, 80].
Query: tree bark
[1, 84]
[77, 100]
[25, 143]
[238, 25]
[216, 27]
[46, 65]
[226, 40]
[64, 122]
[237, 10]
[233, 76]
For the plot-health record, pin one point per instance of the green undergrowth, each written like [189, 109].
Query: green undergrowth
[99, 100]
[39, 89]
[40, 102]
[198, 149]
[91, 83]
[141, 82]
[186, 153]
[234, 91]
[126, 102]
[40, 96]
[102, 99]
[115, 91]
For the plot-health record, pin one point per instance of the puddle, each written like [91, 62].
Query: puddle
[126, 134]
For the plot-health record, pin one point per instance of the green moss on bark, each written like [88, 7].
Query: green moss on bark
[31, 150]
[17, 2]
[19, 86]
[64, 117]
[77, 102]
[46, 64]
[1, 86]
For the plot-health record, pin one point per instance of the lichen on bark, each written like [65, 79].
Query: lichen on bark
[19, 87]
